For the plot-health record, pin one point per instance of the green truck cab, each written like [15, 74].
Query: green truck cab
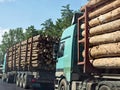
[65, 59]
[67, 69]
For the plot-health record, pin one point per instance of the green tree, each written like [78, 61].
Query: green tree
[9, 39]
[19, 35]
[65, 20]
[5, 44]
[48, 27]
[2, 53]
[6, 40]
[66, 14]
[30, 32]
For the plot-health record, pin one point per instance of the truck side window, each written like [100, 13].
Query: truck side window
[61, 49]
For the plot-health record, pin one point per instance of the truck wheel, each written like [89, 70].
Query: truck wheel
[8, 80]
[21, 83]
[25, 82]
[18, 80]
[104, 87]
[4, 77]
[63, 85]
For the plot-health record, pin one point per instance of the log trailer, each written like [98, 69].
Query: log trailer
[88, 56]
[30, 63]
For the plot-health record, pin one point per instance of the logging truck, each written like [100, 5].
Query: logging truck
[89, 50]
[30, 63]
[88, 57]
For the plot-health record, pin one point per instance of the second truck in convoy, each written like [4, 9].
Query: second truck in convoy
[30, 63]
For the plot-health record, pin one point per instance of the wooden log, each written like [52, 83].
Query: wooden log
[33, 55]
[33, 58]
[35, 62]
[105, 50]
[83, 54]
[11, 48]
[108, 63]
[94, 3]
[28, 53]
[104, 28]
[106, 8]
[112, 15]
[35, 39]
[34, 49]
[44, 45]
[35, 65]
[35, 44]
[105, 38]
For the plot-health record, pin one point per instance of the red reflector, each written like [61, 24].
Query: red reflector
[33, 80]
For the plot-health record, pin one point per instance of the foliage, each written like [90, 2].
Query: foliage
[60, 25]
[48, 28]
[30, 32]
[9, 39]
[67, 15]
[19, 35]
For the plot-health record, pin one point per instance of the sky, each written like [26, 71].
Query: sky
[23, 13]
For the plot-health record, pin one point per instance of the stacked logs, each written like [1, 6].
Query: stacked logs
[104, 33]
[34, 53]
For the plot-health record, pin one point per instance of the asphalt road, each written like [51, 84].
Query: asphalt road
[6, 86]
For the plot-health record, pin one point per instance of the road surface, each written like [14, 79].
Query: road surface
[6, 86]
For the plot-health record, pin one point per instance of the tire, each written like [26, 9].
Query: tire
[3, 78]
[25, 82]
[63, 85]
[7, 80]
[18, 80]
[14, 79]
[21, 83]
[104, 87]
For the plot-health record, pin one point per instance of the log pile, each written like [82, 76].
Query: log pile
[104, 33]
[34, 53]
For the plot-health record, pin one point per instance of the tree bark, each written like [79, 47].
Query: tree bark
[105, 38]
[107, 17]
[104, 28]
[105, 50]
[108, 63]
